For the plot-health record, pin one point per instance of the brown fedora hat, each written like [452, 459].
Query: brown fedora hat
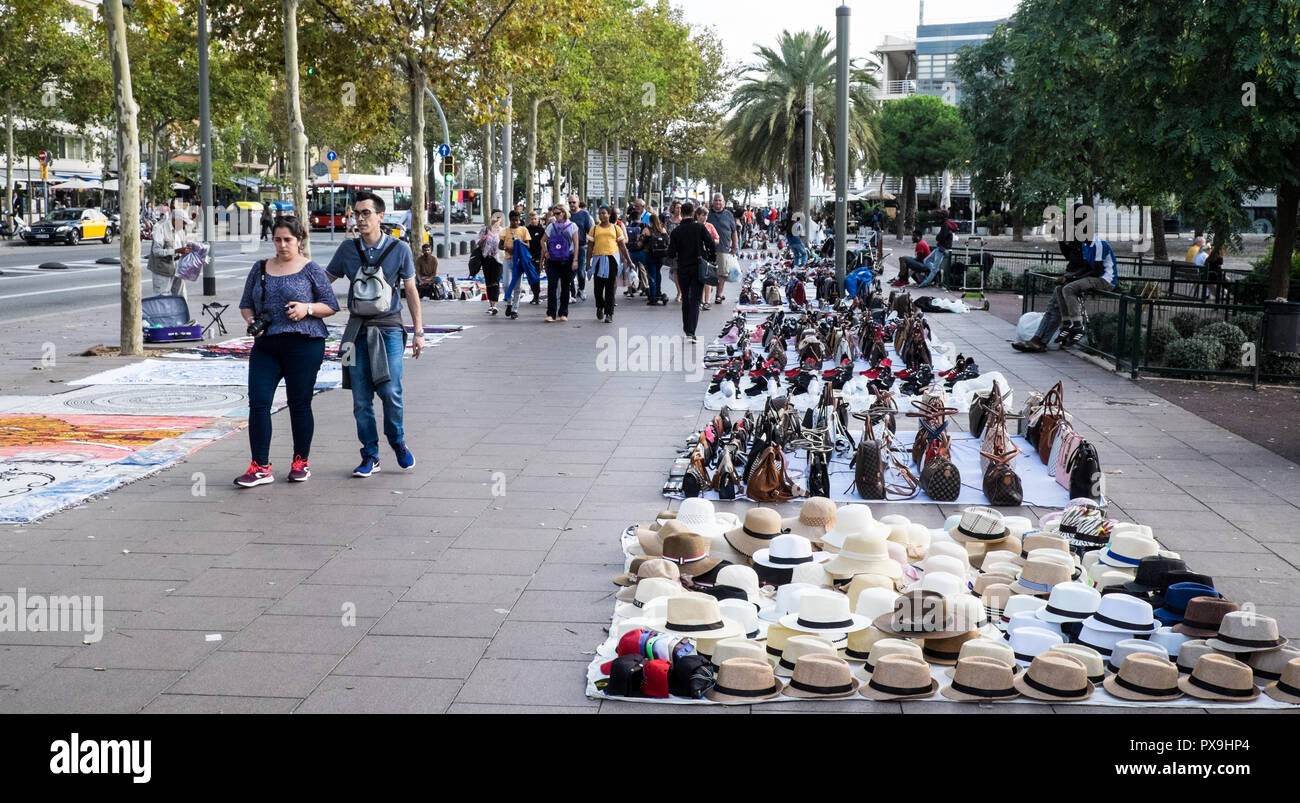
[1055, 677]
[946, 651]
[980, 679]
[1203, 616]
[690, 551]
[1286, 689]
[761, 525]
[643, 568]
[1218, 677]
[1144, 677]
[900, 677]
[744, 680]
[919, 614]
[822, 676]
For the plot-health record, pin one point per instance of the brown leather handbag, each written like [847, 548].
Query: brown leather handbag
[1002, 484]
[1052, 416]
[769, 481]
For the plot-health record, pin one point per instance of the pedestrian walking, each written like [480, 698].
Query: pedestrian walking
[266, 221]
[536, 244]
[350, 216]
[561, 261]
[285, 301]
[727, 231]
[516, 241]
[375, 343]
[688, 244]
[605, 242]
[580, 217]
[489, 242]
[701, 215]
[171, 239]
[654, 244]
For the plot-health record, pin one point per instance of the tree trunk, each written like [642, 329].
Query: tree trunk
[1284, 240]
[297, 134]
[1158, 234]
[1017, 224]
[616, 196]
[582, 162]
[909, 203]
[629, 186]
[604, 172]
[559, 157]
[507, 158]
[8, 205]
[487, 173]
[531, 187]
[128, 148]
[419, 175]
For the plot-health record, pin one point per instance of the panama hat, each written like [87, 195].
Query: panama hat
[825, 613]
[787, 551]
[1218, 677]
[761, 525]
[859, 643]
[1121, 613]
[1001, 568]
[1021, 602]
[822, 676]
[1027, 642]
[646, 569]
[735, 647]
[798, 646]
[1025, 619]
[1103, 577]
[946, 584]
[649, 542]
[946, 651]
[951, 549]
[1038, 576]
[745, 579]
[1042, 540]
[744, 680]
[979, 679]
[1268, 665]
[816, 516]
[1131, 646]
[1177, 596]
[1286, 689]
[1070, 602]
[813, 574]
[1246, 631]
[900, 677]
[698, 514]
[1169, 639]
[697, 616]
[979, 524]
[995, 598]
[1190, 652]
[874, 602]
[851, 520]
[1103, 641]
[648, 591]
[861, 582]
[1056, 677]
[889, 646]
[1203, 615]
[786, 601]
[1144, 677]
[1092, 661]
[946, 564]
[983, 581]
[863, 554]
[774, 644]
[999, 556]
[987, 648]
[1056, 556]
[690, 551]
[1127, 549]
[746, 614]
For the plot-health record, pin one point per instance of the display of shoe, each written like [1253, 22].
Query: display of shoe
[256, 475]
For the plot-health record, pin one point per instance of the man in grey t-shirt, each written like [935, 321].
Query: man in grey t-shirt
[728, 241]
[373, 346]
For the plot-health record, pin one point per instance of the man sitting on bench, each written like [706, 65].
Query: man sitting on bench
[1075, 268]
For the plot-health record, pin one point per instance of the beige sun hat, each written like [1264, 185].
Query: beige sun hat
[816, 516]
[648, 591]
[888, 646]
[1056, 677]
[862, 582]
[1246, 632]
[813, 574]
[1286, 689]
[646, 569]
[861, 553]
[1218, 677]
[1093, 662]
[849, 520]
[1042, 540]
[649, 542]
[696, 616]
[860, 643]
[744, 680]
[951, 549]
[1189, 652]
[946, 651]
[978, 679]
[761, 525]
[774, 644]
[729, 648]
[798, 646]
[822, 677]
[987, 648]
[1039, 576]
[1146, 678]
[900, 677]
[1269, 664]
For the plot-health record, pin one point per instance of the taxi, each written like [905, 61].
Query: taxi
[70, 226]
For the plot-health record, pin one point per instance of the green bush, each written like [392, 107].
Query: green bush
[1231, 337]
[1195, 353]
[1162, 334]
[1102, 330]
[1187, 322]
[1000, 279]
[1248, 323]
[1283, 363]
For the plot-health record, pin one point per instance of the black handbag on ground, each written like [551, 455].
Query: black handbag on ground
[1085, 473]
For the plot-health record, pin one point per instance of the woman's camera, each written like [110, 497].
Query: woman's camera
[258, 326]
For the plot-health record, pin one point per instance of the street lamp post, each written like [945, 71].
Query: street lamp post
[841, 140]
[446, 187]
[205, 152]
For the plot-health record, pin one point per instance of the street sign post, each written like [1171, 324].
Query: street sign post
[331, 156]
[444, 150]
[320, 169]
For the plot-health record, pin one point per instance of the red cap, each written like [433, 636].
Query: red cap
[655, 683]
[630, 644]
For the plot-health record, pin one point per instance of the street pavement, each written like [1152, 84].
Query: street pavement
[480, 579]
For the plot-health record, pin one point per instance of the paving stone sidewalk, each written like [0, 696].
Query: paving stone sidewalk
[479, 581]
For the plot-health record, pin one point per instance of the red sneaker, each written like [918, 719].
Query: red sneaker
[300, 471]
[256, 475]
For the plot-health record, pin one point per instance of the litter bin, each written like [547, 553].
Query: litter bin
[1282, 326]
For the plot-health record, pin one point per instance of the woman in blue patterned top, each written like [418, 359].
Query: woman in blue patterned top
[294, 294]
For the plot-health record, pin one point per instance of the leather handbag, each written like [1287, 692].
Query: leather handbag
[1029, 417]
[1002, 484]
[696, 481]
[161, 266]
[940, 479]
[1084, 470]
[868, 466]
[770, 482]
[725, 480]
[819, 479]
[1067, 442]
[1053, 415]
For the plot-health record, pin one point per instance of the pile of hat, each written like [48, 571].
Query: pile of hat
[834, 603]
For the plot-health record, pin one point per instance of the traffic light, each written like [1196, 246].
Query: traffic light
[449, 168]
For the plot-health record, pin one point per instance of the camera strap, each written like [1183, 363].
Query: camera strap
[261, 265]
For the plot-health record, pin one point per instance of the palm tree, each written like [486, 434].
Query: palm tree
[766, 121]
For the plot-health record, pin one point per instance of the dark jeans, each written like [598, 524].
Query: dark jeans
[578, 283]
[295, 358]
[605, 293]
[688, 281]
[558, 274]
[912, 268]
[653, 268]
[492, 275]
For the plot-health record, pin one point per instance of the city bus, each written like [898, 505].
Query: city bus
[328, 204]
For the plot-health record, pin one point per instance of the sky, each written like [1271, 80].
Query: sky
[746, 23]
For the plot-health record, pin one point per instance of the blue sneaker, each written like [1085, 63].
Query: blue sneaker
[369, 465]
[405, 460]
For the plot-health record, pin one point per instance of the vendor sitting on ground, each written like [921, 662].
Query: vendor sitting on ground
[426, 273]
[1089, 266]
[918, 268]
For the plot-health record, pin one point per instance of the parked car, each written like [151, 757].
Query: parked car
[70, 225]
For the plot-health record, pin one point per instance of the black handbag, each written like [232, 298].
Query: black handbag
[708, 273]
[1085, 473]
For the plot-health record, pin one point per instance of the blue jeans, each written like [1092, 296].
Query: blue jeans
[935, 263]
[800, 253]
[390, 392]
[295, 358]
[653, 266]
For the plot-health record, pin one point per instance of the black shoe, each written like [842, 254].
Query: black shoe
[609, 319]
